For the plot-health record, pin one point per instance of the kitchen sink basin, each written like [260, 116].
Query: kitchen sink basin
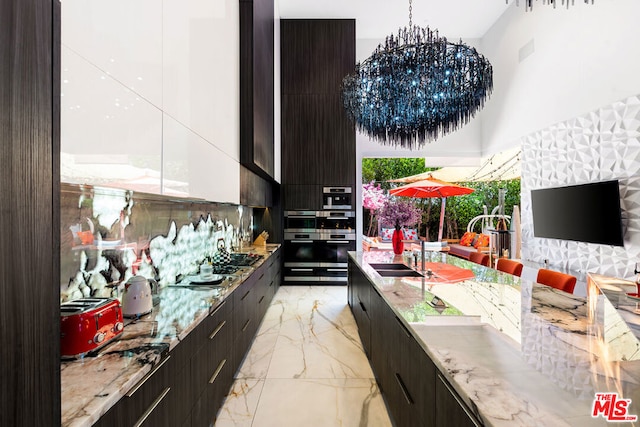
[399, 273]
[390, 266]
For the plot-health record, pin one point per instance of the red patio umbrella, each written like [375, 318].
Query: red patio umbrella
[432, 187]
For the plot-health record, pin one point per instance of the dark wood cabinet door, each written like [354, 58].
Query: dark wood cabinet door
[149, 402]
[316, 54]
[302, 197]
[302, 155]
[337, 141]
[255, 190]
[450, 409]
[256, 86]
[30, 219]
[318, 139]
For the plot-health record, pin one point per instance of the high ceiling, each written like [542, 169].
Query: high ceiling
[376, 19]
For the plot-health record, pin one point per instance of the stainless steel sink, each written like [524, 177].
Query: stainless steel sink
[390, 266]
[399, 273]
[395, 270]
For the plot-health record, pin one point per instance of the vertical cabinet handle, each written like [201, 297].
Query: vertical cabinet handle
[151, 408]
[362, 306]
[405, 392]
[246, 325]
[217, 371]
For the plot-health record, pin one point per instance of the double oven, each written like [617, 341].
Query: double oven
[316, 245]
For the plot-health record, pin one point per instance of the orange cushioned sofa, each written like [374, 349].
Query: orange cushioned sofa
[468, 243]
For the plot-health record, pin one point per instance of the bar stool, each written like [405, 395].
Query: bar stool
[479, 258]
[509, 266]
[564, 282]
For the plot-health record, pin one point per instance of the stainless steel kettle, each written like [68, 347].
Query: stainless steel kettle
[137, 299]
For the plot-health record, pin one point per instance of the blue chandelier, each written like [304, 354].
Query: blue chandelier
[416, 87]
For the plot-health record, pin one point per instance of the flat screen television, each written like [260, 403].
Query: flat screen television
[584, 213]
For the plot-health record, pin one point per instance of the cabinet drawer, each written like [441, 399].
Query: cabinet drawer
[148, 403]
[215, 349]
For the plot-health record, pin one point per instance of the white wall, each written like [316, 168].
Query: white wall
[151, 90]
[584, 57]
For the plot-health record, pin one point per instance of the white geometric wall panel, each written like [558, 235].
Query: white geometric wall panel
[598, 146]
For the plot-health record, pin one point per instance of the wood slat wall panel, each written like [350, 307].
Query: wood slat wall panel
[29, 212]
[318, 139]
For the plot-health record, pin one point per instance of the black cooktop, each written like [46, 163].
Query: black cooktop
[244, 260]
[224, 269]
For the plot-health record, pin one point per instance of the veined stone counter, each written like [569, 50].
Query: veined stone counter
[93, 384]
[517, 352]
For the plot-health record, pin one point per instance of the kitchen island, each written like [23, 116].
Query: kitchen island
[164, 364]
[492, 349]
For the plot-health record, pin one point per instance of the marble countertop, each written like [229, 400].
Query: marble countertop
[91, 385]
[517, 352]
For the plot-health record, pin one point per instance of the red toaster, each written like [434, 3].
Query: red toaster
[87, 324]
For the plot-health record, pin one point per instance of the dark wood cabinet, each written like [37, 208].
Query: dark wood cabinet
[256, 86]
[318, 139]
[450, 409]
[316, 54]
[190, 384]
[360, 308]
[255, 190]
[302, 197]
[30, 219]
[414, 390]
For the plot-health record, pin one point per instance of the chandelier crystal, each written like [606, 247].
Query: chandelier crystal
[415, 87]
[528, 4]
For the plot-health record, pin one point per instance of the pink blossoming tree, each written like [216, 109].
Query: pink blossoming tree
[373, 198]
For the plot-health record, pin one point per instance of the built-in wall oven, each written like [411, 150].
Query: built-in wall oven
[320, 255]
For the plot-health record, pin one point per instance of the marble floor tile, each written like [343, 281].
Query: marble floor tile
[330, 354]
[240, 405]
[321, 403]
[306, 366]
[256, 362]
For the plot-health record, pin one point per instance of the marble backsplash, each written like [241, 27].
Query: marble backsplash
[108, 234]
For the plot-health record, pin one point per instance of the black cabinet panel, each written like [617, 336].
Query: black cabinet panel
[316, 54]
[450, 410]
[318, 140]
[302, 197]
[30, 213]
[254, 190]
[256, 86]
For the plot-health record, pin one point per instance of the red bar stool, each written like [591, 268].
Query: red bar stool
[564, 282]
[509, 266]
[479, 258]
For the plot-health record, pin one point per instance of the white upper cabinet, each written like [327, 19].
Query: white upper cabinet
[201, 74]
[145, 79]
[196, 168]
[121, 38]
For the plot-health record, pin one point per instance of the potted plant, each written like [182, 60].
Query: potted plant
[399, 213]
